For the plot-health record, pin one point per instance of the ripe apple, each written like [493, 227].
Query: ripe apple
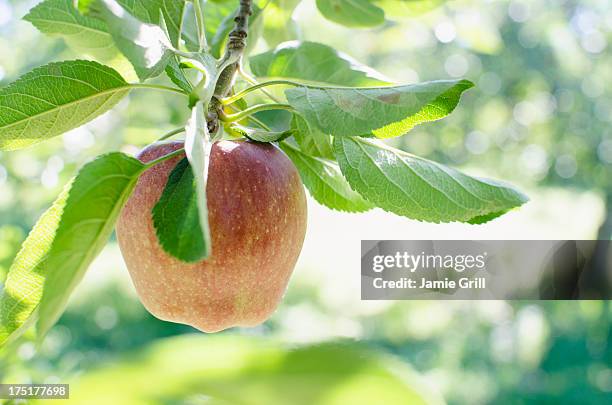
[257, 216]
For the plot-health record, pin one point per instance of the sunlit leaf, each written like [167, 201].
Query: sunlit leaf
[55, 98]
[407, 8]
[312, 141]
[24, 283]
[177, 76]
[252, 371]
[148, 11]
[11, 238]
[83, 33]
[385, 112]
[418, 188]
[325, 182]
[314, 62]
[261, 135]
[94, 201]
[278, 24]
[145, 45]
[66, 239]
[352, 13]
[197, 148]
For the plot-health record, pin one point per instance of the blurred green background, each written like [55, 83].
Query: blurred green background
[540, 117]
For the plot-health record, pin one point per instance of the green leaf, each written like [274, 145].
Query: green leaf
[261, 135]
[277, 120]
[96, 197]
[175, 216]
[325, 182]
[418, 188]
[84, 6]
[250, 370]
[55, 98]
[145, 45]
[197, 149]
[177, 76]
[486, 218]
[11, 238]
[278, 24]
[220, 36]
[352, 13]
[407, 8]
[316, 63]
[215, 12]
[148, 11]
[312, 141]
[66, 239]
[24, 283]
[84, 34]
[385, 112]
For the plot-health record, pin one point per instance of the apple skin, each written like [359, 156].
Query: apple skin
[257, 216]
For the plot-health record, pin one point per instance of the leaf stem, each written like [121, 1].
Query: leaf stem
[171, 134]
[254, 81]
[243, 93]
[157, 87]
[204, 90]
[254, 119]
[202, 43]
[252, 110]
[163, 158]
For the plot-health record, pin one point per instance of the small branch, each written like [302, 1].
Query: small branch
[157, 87]
[252, 110]
[237, 38]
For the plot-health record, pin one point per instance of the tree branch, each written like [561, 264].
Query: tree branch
[234, 49]
[237, 38]
[230, 63]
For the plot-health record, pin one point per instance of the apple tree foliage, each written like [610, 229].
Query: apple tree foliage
[329, 120]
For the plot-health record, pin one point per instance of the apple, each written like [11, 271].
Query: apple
[257, 216]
